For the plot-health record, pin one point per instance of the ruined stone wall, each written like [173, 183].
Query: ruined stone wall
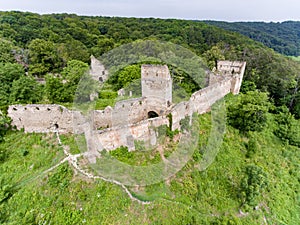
[98, 71]
[231, 67]
[47, 118]
[128, 120]
[44, 118]
[202, 100]
[113, 138]
[123, 113]
[127, 112]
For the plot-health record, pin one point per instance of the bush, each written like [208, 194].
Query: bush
[252, 147]
[249, 112]
[107, 94]
[5, 125]
[253, 183]
[287, 128]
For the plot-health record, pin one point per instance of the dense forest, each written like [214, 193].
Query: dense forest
[48, 44]
[254, 179]
[282, 37]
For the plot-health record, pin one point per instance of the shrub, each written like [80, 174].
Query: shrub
[248, 113]
[287, 128]
[5, 125]
[253, 183]
[252, 147]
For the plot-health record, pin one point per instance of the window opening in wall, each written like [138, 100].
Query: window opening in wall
[100, 79]
[56, 126]
[152, 114]
[37, 108]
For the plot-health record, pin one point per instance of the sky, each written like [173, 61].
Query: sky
[225, 10]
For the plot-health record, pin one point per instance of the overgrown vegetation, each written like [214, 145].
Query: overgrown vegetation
[46, 44]
[253, 179]
[249, 112]
[257, 174]
[282, 37]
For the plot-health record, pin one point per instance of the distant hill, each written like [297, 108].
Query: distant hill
[282, 37]
[47, 44]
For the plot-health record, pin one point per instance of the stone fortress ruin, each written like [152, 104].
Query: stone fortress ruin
[133, 119]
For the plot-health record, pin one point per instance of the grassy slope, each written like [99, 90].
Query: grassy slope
[191, 197]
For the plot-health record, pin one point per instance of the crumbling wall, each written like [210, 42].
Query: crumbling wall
[115, 137]
[127, 112]
[231, 67]
[97, 70]
[129, 120]
[44, 118]
[202, 100]
[123, 113]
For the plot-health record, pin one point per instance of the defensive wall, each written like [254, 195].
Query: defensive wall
[133, 119]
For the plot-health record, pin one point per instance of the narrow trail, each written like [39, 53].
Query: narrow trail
[73, 160]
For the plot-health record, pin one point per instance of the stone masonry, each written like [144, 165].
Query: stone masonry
[133, 119]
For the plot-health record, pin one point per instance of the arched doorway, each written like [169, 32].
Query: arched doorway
[152, 114]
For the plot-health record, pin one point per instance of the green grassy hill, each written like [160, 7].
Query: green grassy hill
[29, 195]
[43, 45]
[254, 178]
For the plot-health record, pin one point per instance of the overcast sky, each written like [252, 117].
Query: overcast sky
[226, 10]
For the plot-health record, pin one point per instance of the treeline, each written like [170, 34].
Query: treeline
[44, 46]
[282, 37]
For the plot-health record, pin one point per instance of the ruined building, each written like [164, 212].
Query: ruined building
[133, 119]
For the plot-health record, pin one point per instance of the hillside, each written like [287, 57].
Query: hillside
[254, 177]
[45, 44]
[31, 195]
[283, 37]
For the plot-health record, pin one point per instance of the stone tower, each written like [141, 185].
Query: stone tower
[98, 71]
[157, 84]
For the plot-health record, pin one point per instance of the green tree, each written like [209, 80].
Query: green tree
[43, 57]
[10, 72]
[125, 76]
[62, 89]
[73, 50]
[6, 51]
[287, 128]
[103, 45]
[26, 90]
[212, 56]
[249, 111]
[54, 89]
[74, 70]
